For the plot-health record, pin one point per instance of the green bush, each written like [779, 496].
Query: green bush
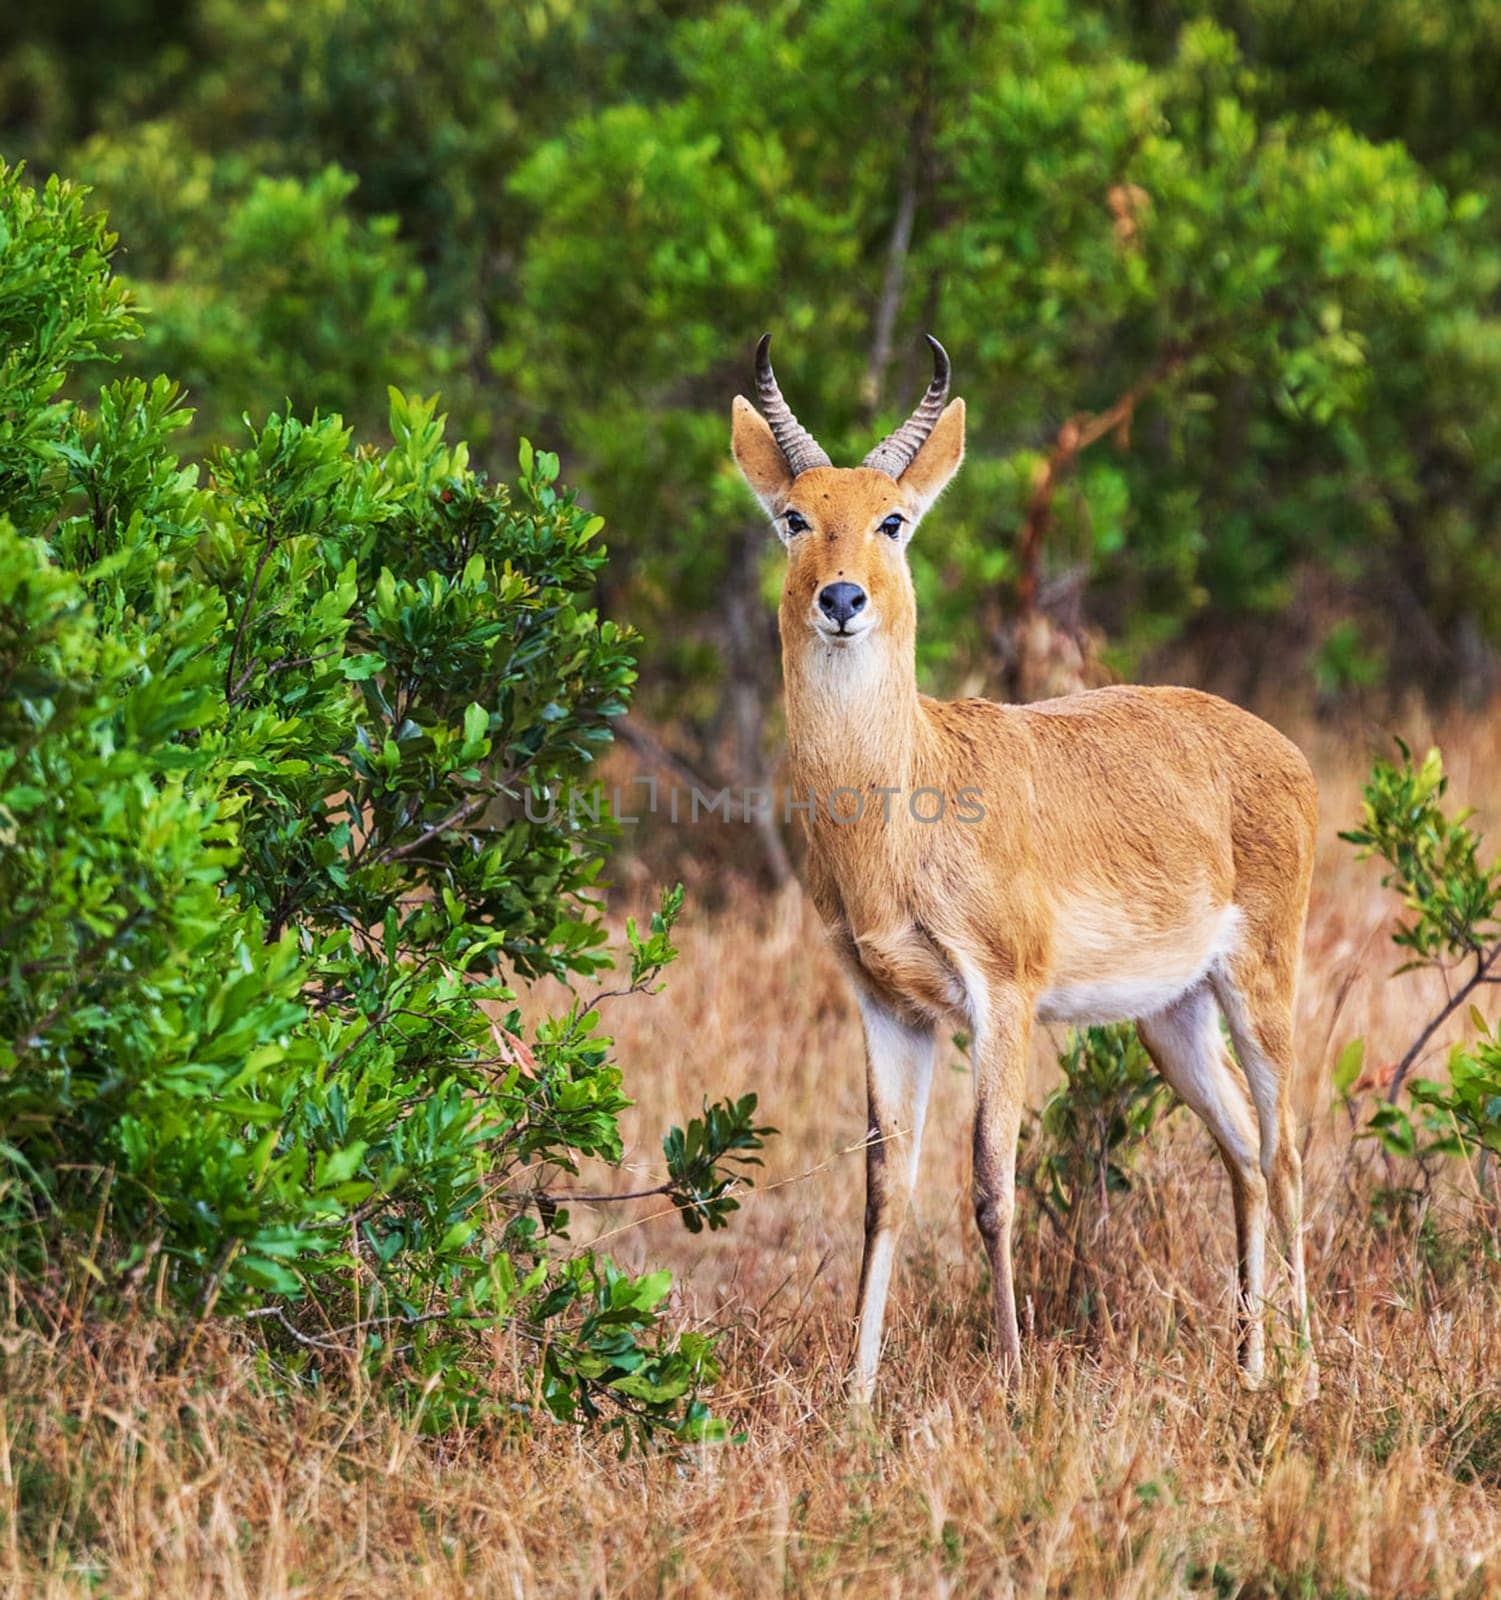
[266, 737]
[1092, 1124]
[1453, 926]
[1079, 1151]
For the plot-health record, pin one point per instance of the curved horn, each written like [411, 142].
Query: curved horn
[798, 445]
[895, 452]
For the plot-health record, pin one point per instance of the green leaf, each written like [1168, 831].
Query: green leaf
[1347, 1067]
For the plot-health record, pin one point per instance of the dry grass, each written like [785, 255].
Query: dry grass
[1131, 1464]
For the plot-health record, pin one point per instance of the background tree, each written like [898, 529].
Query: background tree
[1220, 283]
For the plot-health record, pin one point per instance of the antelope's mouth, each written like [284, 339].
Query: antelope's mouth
[843, 633]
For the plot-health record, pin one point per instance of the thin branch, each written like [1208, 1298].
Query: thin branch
[1484, 961]
[577, 1198]
[916, 176]
[335, 1335]
[286, 663]
[1073, 438]
[647, 744]
[462, 813]
[233, 686]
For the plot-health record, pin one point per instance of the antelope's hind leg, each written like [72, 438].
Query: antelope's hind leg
[1257, 999]
[1184, 1041]
[899, 1074]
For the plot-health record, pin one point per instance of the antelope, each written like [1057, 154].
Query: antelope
[1141, 854]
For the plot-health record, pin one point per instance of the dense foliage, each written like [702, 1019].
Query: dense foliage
[1256, 244]
[266, 737]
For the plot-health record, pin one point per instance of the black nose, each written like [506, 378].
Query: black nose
[841, 601]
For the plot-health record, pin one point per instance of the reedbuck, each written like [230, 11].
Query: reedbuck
[1127, 853]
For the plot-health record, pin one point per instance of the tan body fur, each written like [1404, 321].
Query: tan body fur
[1128, 853]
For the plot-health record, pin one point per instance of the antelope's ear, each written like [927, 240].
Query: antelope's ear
[939, 458]
[759, 456]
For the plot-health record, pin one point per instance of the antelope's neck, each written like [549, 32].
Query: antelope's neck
[853, 716]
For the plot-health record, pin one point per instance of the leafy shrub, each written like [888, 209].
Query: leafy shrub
[1085, 1139]
[1453, 926]
[1433, 863]
[1092, 215]
[1092, 1124]
[266, 738]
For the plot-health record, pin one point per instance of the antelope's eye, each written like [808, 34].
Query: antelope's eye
[892, 526]
[796, 522]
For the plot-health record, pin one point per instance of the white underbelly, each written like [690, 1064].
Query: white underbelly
[1109, 971]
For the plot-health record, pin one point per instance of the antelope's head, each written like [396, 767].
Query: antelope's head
[846, 529]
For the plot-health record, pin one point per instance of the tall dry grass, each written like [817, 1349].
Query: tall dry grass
[1131, 1464]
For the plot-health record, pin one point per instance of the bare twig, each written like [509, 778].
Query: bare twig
[1484, 961]
[645, 743]
[576, 1198]
[337, 1337]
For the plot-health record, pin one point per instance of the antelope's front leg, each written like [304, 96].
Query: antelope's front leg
[899, 1073]
[1000, 1056]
